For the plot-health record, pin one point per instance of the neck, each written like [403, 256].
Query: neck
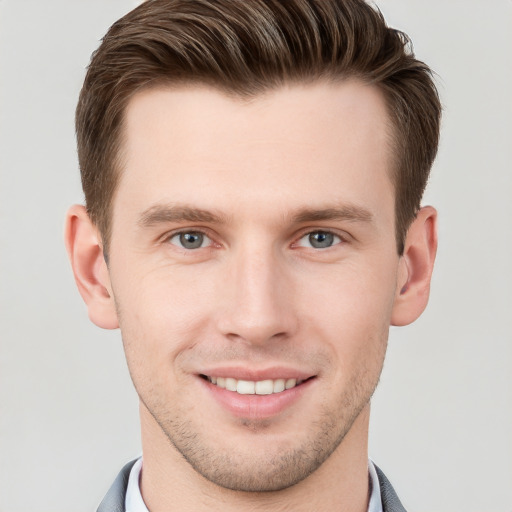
[169, 482]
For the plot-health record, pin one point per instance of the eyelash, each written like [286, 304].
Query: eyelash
[201, 231]
[327, 232]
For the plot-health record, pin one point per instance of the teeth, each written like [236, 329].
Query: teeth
[264, 387]
[290, 383]
[249, 387]
[231, 384]
[245, 387]
[279, 385]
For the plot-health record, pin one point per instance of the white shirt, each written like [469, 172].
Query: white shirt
[135, 503]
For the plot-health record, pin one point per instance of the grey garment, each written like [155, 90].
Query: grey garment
[390, 501]
[115, 498]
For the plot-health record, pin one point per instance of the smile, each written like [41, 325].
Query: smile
[249, 387]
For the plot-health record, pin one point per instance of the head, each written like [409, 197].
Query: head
[254, 172]
[245, 49]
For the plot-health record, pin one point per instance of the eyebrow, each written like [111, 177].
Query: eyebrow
[346, 212]
[166, 213]
[163, 213]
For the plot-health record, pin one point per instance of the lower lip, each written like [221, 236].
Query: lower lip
[256, 407]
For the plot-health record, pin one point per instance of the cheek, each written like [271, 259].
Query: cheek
[152, 292]
[161, 314]
[351, 293]
[350, 308]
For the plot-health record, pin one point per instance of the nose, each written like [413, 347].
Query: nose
[258, 304]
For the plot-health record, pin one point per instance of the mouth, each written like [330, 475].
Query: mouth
[250, 387]
[257, 395]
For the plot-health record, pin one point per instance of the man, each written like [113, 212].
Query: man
[253, 173]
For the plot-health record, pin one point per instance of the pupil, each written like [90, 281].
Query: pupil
[191, 240]
[321, 240]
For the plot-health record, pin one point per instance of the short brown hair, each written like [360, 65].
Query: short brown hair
[245, 47]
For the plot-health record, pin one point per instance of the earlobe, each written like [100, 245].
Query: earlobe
[415, 270]
[83, 244]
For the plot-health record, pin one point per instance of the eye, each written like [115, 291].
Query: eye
[190, 240]
[319, 240]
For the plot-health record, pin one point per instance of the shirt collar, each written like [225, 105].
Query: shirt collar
[375, 504]
[133, 500]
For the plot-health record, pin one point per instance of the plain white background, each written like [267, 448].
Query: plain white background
[442, 416]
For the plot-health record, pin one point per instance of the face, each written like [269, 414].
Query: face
[254, 269]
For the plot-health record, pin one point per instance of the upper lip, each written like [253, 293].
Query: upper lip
[252, 374]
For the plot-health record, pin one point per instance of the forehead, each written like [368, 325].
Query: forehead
[310, 143]
[321, 112]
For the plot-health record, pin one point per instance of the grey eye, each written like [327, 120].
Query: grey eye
[319, 240]
[190, 240]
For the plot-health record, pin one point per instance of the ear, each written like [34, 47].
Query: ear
[415, 268]
[84, 247]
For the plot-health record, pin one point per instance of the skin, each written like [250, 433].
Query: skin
[258, 180]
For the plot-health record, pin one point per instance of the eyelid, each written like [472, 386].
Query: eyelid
[206, 241]
[166, 238]
[342, 235]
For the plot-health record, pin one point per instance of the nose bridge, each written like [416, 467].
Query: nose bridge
[260, 305]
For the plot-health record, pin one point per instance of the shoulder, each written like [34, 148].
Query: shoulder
[115, 498]
[390, 501]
